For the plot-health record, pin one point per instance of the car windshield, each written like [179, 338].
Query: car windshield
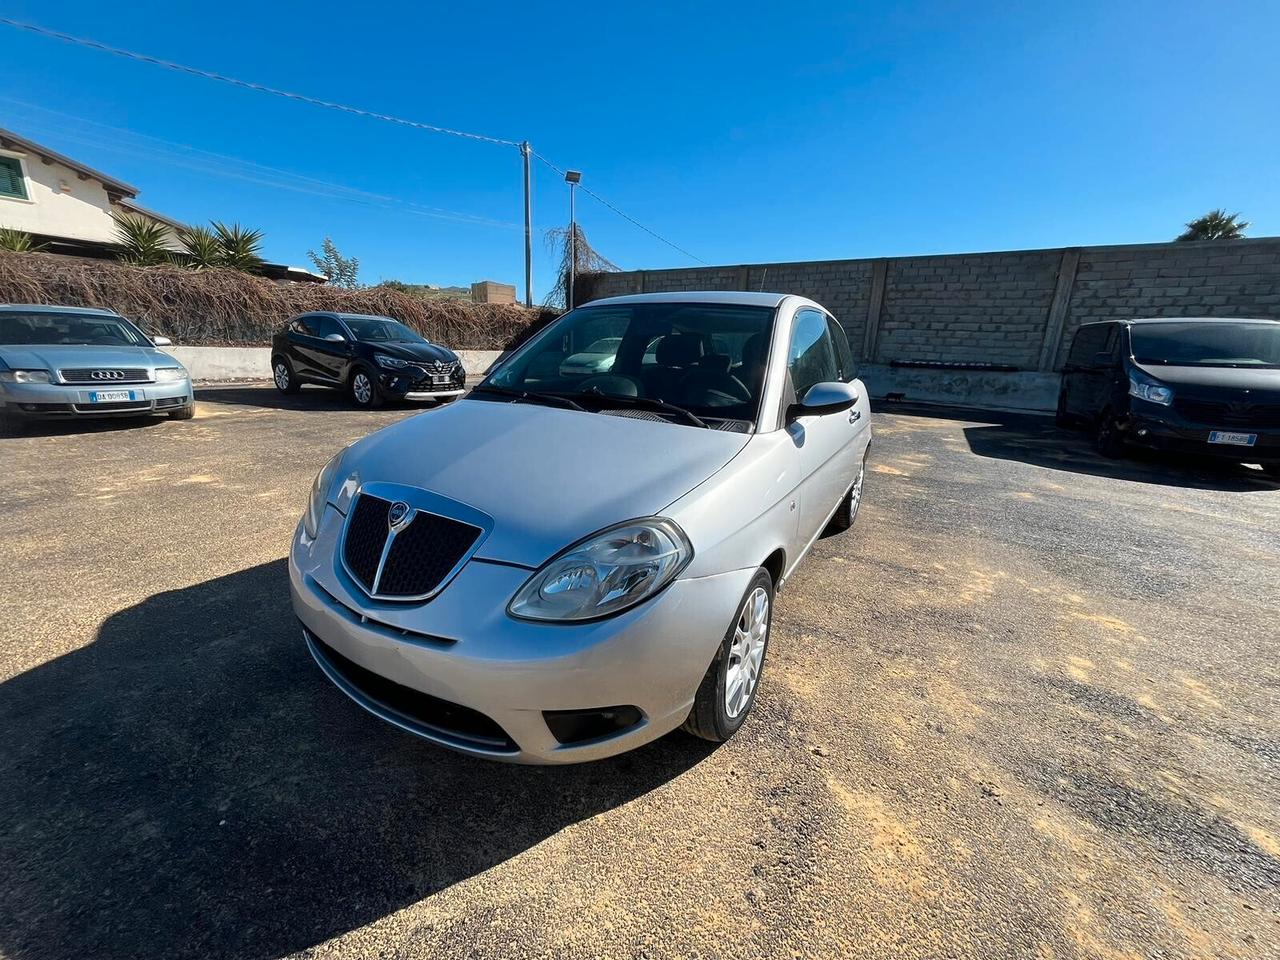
[707, 358]
[38, 328]
[379, 330]
[1212, 343]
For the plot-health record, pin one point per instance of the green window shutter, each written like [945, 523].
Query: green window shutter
[11, 182]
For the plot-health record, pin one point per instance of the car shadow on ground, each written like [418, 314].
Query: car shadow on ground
[54, 427]
[1038, 440]
[189, 785]
[265, 395]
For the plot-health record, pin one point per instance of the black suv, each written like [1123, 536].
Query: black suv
[372, 358]
[1203, 386]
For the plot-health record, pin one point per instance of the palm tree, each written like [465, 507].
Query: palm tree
[202, 247]
[145, 241]
[1216, 225]
[240, 247]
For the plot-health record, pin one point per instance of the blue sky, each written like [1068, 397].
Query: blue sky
[743, 132]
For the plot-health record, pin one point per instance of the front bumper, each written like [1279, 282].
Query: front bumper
[57, 400]
[414, 383]
[1173, 435]
[463, 651]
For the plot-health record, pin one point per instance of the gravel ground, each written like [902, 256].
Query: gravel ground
[1029, 707]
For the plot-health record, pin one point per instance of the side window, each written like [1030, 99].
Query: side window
[812, 357]
[324, 326]
[1088, 341]
[844, 356]
[303, 326]
[12, 182]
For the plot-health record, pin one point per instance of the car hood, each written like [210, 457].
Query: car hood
[425, 352]
[56, 355]
[547, 476]
[1199, 380]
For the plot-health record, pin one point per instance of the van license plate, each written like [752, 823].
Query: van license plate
[1236, 439]
[110, 396]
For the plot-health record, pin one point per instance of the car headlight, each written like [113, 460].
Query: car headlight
[170, 374]
[390, 363]
[1147, 388]
[320, 495]
[26, 376]
[606, 573]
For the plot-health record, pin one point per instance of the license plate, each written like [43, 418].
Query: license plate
[1236, 439]
[110, 396]
[440, 381]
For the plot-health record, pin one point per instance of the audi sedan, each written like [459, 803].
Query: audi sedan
[559, 568]
[71, 362]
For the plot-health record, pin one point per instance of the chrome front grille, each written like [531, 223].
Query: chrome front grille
[407, 561]
[104, 376]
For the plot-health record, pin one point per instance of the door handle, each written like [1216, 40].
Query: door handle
[855, 415]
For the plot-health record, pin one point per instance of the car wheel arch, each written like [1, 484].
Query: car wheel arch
[776, 564]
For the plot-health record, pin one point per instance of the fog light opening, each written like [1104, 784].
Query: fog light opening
[580, 726]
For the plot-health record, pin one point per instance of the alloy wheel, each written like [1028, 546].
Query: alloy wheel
[362, 388]
[746, 653]
[281, 374]
[855, 492]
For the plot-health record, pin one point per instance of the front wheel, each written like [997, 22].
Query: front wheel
[185, 413]
[1108, 439]
[728, 689]
[363, 390]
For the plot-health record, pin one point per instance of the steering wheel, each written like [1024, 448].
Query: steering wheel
[616, 383]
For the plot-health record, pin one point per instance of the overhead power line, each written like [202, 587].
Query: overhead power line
[328, 105]
[625, 216]
[249, 85]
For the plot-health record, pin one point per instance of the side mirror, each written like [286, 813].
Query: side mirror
[822, 398]
[161, 342]
[336, 338]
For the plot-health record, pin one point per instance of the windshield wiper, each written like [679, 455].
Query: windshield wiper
[527, 396]
[648, 403]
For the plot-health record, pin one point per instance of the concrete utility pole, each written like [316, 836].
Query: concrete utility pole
[572, 178]
[526, 151]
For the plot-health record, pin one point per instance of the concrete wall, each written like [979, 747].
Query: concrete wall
[59, 203]
[1016, 308]
[254, 363]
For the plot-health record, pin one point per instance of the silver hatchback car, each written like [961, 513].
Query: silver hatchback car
[68, 362]
[563, 567]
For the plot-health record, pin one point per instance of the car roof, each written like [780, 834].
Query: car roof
[1142, 320]
[54, 308]
[698, 296]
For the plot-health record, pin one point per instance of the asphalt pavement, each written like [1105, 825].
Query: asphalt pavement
[1028, 707]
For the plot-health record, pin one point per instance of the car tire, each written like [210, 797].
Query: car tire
[12, 426]
[282, 373]
[720, 707]
[186, 413]
[847, 512]
[1108, 439]
[362, 388]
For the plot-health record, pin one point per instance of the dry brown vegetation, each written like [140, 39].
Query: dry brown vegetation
[218, 306]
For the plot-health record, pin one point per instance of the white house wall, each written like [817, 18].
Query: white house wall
[59, 203]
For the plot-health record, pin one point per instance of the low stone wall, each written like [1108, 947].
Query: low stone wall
[254, 363]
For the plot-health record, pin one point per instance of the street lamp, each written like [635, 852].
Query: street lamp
[572, 178]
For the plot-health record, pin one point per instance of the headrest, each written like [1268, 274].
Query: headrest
[679, 349]
[719, 362]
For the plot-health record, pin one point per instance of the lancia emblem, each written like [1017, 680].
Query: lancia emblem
[397, 515]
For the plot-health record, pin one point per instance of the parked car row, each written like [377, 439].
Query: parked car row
[76, 362]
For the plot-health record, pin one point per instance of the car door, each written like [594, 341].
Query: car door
[298, 338]
[859, 416]
[1085, 378]
[326, 359]
[823, 441]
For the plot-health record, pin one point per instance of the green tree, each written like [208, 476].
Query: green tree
[340, 270]
[1215, 225]
[145, 242]
[240, 247]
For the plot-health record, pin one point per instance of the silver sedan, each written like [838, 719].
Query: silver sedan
[560, 568]
[60, 362]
